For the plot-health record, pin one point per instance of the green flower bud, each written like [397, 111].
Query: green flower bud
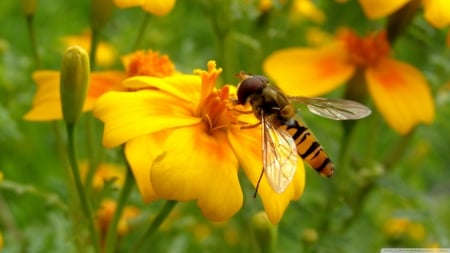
[265, 233]
[74, 82]
[28, 7]
[310, 236]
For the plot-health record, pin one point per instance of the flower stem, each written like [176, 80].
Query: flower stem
[162, 215]
[30, 26]
[111, 235]
[79, 186]
[141, 32]
[398, 151]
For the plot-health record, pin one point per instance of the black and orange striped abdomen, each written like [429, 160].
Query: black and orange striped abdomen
[309, 148]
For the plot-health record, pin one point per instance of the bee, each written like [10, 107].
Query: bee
[283, 137]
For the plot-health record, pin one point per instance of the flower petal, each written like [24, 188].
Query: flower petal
[309, 72]
[184, 87]
[381, 8]
[127, 115]
[46, 102]
[199, 166]
[401, 94]
[128, 3]
[158, 7]
[437, 12]
[247, 147]
[141, 152]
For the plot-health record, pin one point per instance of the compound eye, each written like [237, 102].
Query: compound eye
[249, 86]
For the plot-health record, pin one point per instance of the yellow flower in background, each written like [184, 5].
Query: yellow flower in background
[106, 53]
[436, 12]
[47, 105]
[399, 91]
[155, 7]
[305, 9]
[398, 226]
[106, 212]
[184, 142]
[104, 172]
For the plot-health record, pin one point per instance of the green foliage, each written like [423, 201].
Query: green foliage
[386, 176]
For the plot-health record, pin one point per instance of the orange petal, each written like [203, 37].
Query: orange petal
[309, 72]
[102, 82]
[199, 166]
[127, 115]
[128, 3]
[437, 12]
[381, 8]
[401, 94]
[141, 152]
[247, 147]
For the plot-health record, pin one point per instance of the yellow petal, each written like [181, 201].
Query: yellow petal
[247, 146]
[199, 166]
[46, 102]
[184, 87]
[127, 115]
[381, 8]
[141, 152]
[309, 72]
[437, 12]
[158, 7]
[102, 82]
[401, 94]
[128, 3]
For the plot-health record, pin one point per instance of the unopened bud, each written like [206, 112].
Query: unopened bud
[74, 82]
[265, 233]
[101, 12]
[28, 7]
[310, 236]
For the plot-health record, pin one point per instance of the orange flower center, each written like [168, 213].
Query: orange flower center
[149, 63]
[365, 51]
[216, 112]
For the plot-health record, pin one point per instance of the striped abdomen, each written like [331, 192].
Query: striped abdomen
[309, 148]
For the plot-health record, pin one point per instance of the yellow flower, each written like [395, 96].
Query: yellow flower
[155, 7]
[106, 212]
[104, 172]
[399, 91]
[106, 54]
[184, 142]
[305, 9]
[436, 12]
[47, 105]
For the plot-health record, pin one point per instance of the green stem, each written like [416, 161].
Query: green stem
[141, 32]
[30, 26]
[95, 39]
[398, 151]
[79, 186]
[111, 235]
[162, 215]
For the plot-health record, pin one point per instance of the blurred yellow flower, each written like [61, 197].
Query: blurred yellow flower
[399, 226]
[104, 172]
[399, 91]
[184, 142]
[436, 12]
[47, 104]
[305, 9]
[155, 7]
[106, 53]
[105, 214]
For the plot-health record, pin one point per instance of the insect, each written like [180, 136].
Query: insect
[283, 137]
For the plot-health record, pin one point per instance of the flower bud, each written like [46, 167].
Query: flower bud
[28, 7]
[74, 82]
[101, 12]
[265, 233]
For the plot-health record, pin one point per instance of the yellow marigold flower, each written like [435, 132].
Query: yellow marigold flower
[104, 172]
[305, 9]
[436, 12]
[105, 214]
[184, 142]
[399, 91]
[106, 53]
[155, 7]
[47, 105]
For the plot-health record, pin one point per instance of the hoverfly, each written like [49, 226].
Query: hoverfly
[283, 137]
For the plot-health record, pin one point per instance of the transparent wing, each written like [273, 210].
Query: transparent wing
[337, 109]
[279, 156]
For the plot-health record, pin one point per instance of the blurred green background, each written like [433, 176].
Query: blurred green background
[364, 208]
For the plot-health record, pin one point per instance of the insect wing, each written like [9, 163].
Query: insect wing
[337, 109]
[279, 156]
